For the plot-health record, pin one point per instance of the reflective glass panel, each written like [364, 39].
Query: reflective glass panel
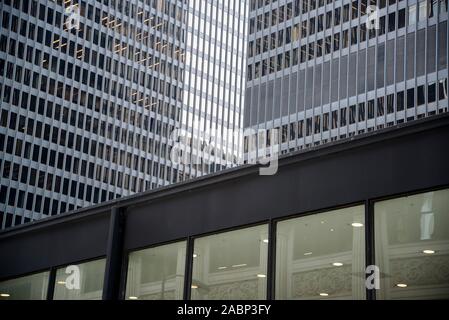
[321, 256]
[412, 246]
[83, 281]
[32, 287]
[231, 265]
[157, 273]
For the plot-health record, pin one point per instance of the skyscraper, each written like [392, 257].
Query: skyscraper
[91, 92]
[322, 70]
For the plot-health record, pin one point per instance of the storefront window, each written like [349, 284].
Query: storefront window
[231, 265]
[157, 273]
[32, 287]
[412, 246]
[83, 281]
[321, 256]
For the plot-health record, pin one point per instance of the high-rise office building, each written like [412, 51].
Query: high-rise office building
[318, 72]
[91, 92]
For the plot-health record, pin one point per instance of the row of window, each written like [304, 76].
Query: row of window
[406, 57]
[318, 256]
[308, 27]
[96, 37]
[53, 133]
[305, 6]
[76, 72]
[93, 79]
[43, 206]
[75, 165]
[276, 16]
[82, 121]
[142, 15]
[126, 7]
[355, 113]
[86, 145]
[139, 56]
[320, 47]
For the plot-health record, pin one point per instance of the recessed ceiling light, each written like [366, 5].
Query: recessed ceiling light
[357, 224]
[60, 282]
[133, 298]
[428, 251]
[261, 276]
[265, 240]
[307, 253]
[239, 265]
[332, 230]
[324, 294]
[195, 255]
[221, 268]
[401, 285]
[5, 295]
[337, 264]
[194, 286]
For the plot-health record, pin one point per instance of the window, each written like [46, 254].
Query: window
[362, 111]
[157, 273]
[412, 245]
[380, 106]
[231, 265]
[320, 23]
[421, 95]
[321, 256]
[32, 287]
[90, 282]
[401, 18]
[355, 7]
[381, 30]
[352, 114]
[412, 15]
[400, 101]
[371, 109]
[346, 13]
[391, 22]
[342, 117]
[334, 119]
[410, 98]
[431, 93]
[432, 8]
[443, 6]
[390, 103]
[423, 10]
[442, 89]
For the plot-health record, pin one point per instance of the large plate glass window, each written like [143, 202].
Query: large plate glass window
[81, 281]
[32, 287]
[412, 246]
[321, 256]
[157, 273]
[231, 265]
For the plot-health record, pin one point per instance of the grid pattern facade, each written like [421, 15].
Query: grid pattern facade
[87, 112]
[316, 72]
